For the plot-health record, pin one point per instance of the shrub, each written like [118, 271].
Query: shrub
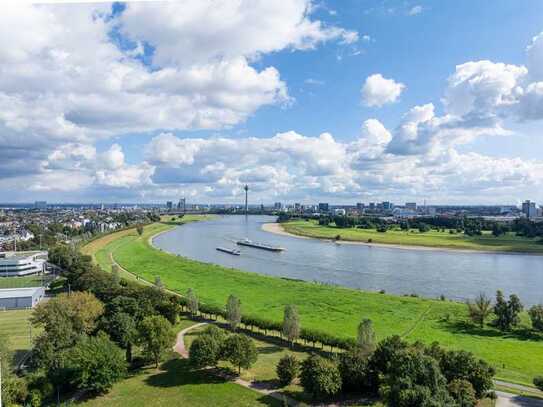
[320, 377]
[287, 369]
[536, 315]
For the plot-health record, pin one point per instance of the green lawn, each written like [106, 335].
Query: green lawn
[433, 238]
[16, 326]
[333, 309]
[18, 282]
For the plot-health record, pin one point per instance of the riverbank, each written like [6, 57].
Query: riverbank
[333, 309]
[412, 240]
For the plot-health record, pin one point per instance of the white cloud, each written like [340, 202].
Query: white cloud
[378, 91]
[413, 11]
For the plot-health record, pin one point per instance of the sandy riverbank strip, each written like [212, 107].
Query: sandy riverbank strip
[278, 229]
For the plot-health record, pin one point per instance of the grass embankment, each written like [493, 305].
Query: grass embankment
[333, 309]
[486, 242]
[176, 383]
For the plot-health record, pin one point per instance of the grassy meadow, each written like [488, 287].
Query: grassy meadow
[15, 326]
[486, 242]
[333, 309]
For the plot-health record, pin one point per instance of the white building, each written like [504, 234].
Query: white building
[22, 263]
[16, 298]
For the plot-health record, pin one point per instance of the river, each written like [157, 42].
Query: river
[456, 275]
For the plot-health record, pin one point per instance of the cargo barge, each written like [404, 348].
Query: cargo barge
[234, 252]
[256, 245]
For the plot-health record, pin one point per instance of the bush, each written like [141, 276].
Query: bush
[538, 382]
[536, 315]
[320, 377]
[287, 369]
[462, 391]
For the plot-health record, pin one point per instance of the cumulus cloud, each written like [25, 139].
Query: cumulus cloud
[378, 91]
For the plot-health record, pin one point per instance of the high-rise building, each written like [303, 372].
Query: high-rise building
[169, 205]
[324, 207]
[387, 206]
[372, 206]
[277, 206]
[529, 209]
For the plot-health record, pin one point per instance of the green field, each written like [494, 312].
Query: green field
[16, 326]
[433, 238]
[333, 309]
[18, 282]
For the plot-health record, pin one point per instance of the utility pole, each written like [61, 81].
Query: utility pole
[246, 188]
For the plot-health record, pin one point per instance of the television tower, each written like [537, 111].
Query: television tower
[246, 188]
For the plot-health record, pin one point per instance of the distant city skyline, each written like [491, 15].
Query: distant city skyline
[304, 101]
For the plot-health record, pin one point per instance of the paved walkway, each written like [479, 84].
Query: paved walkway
[512, 400]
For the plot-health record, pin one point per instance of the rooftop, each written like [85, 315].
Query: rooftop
[19, 292]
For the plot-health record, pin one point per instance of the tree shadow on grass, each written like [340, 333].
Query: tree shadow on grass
[178, 372]
[268, 350]
[465, 327]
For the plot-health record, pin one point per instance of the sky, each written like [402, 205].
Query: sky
[305, 101]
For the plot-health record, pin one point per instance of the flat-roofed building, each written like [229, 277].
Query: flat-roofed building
[22, 263]
[17, 298]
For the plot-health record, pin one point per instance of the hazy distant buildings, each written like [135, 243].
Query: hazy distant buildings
[324, 207]
[529, 209]
[278, 206]
[411, 206]
[40, 205]
[387, 206]
[169, 205]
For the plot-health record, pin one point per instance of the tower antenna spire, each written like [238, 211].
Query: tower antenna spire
[246, 188]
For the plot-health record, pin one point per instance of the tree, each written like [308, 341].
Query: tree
[13, 390]
[456, 365]
[366, 336]
[139, 229]
[156, 336]
[233, 311]
[240, 350]
[291, 323]
[192, 302]
[96, 363]
[158, 283]
[288, 368]
[507, 312]
[320, 377]
[415, 379]
[115, 273]
[121, 327]
[462, 391]
[479, 309]
[538, 382]
[204, 351]
[536, 315]
[354, 370]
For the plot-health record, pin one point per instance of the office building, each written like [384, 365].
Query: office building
[169, 205]
[411, 206]
[324, 207]
[278, 206]
[529, 209]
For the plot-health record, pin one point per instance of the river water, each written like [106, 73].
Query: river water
[456, 275]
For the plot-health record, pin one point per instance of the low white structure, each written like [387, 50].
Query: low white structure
[22, 263]
[17, 298]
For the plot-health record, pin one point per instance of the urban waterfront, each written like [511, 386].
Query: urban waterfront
[428, 273]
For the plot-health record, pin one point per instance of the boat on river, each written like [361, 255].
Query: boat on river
[256, 245]
[234, 252]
